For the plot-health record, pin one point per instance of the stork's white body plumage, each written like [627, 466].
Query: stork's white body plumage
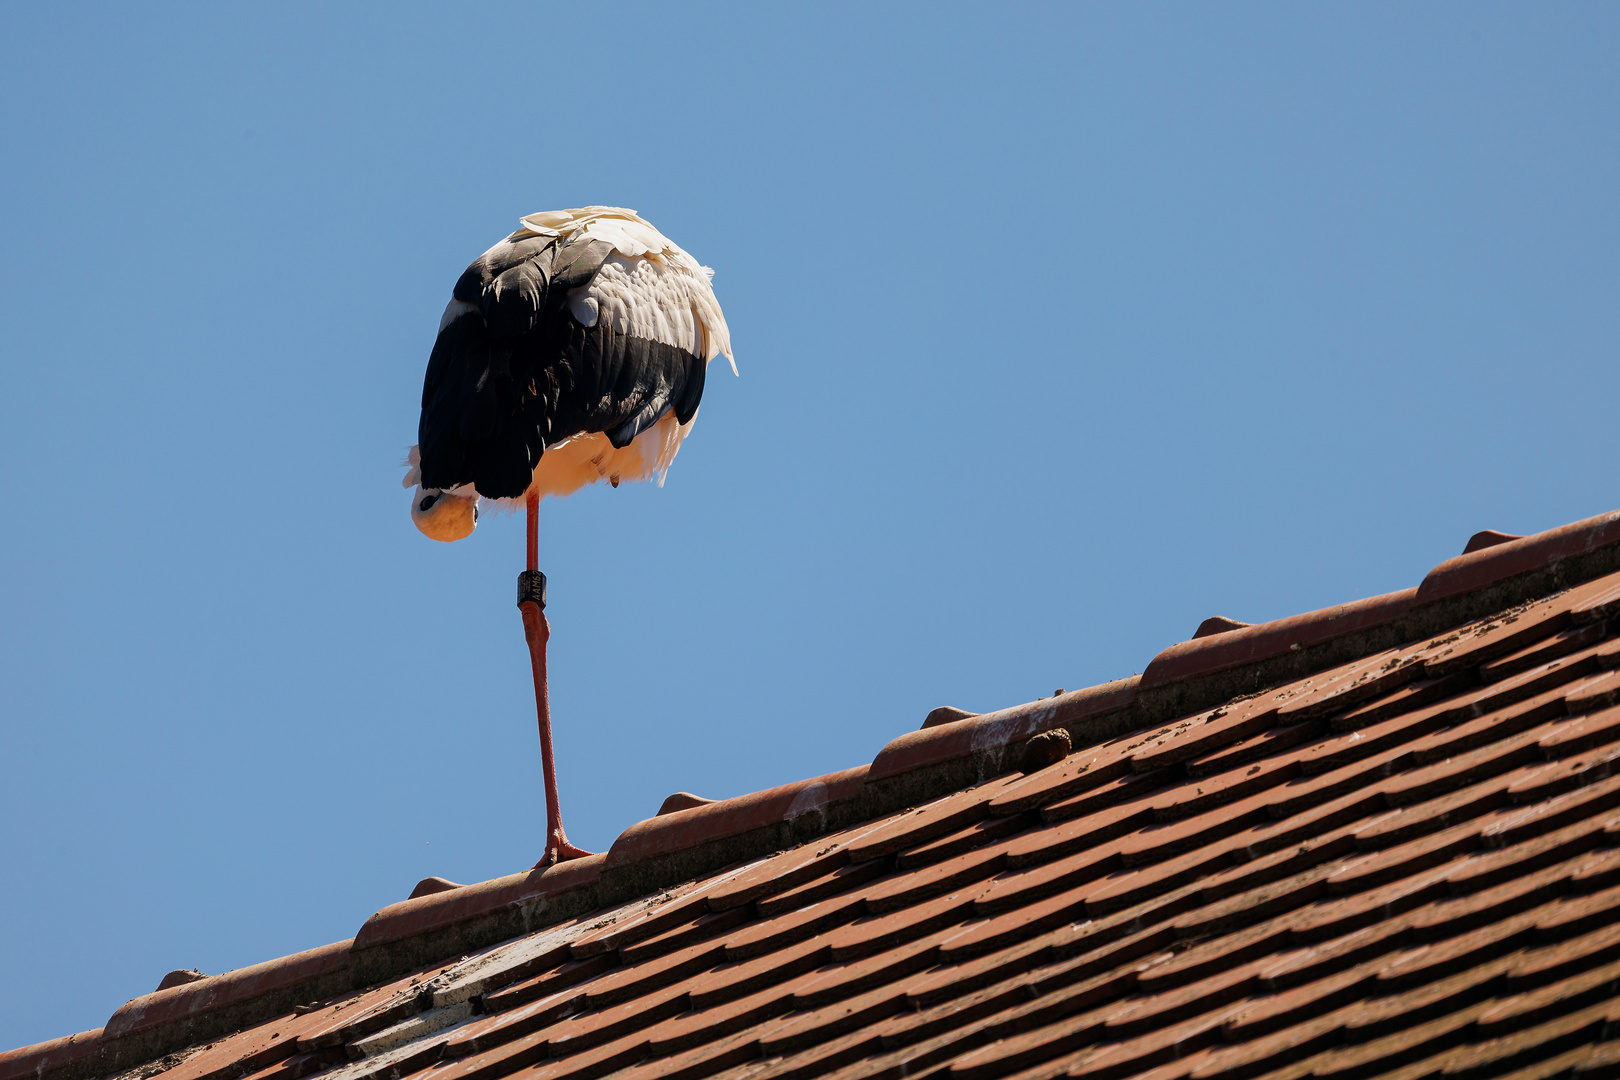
[647, 289]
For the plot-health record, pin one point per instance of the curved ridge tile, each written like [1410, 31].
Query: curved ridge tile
[1265, 641]
[436, 911]
[993, 730]
[217, 991]
[1540, 551]
[689, 828]
[27, 1061]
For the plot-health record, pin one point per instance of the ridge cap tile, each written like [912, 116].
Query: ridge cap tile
[999, 729]
[1511, 558]
[227, 988]
[726, 818]
[35, 1059]
[1264, 641]
[409, 918]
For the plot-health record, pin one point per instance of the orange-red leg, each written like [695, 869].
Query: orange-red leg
[531, 602]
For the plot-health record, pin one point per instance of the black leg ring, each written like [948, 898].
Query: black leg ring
[532, 586]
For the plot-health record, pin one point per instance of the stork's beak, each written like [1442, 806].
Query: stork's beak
[440, 515]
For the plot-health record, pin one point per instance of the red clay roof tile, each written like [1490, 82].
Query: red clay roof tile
[1383, 859]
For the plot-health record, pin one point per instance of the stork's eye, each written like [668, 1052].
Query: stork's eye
[475, 515]
[427, 503]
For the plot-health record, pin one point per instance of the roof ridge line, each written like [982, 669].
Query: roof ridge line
[914, 767]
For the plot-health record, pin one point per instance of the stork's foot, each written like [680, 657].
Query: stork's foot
[558, 849]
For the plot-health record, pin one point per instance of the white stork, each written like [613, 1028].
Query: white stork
[573, 351]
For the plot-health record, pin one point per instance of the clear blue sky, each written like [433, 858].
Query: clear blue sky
[1061, 328]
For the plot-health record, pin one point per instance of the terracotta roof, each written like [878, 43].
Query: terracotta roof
[1378, 839]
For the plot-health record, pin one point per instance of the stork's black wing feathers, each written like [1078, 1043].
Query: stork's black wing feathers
[520, 373]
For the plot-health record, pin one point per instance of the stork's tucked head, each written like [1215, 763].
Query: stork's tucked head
[441, 515]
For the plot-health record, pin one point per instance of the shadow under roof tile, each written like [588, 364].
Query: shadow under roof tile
[1470, 733]
[1276, 864]
[502, 1028]
[1576, 915]
[1037, 880]
[844, 879]
[903, 889]
[1081, 771]
[690, 933]
[1514, 827]
[1530, 1055]
[827, 1058]
[959, 976]
[505, 964]
[738, 978]
[597, 1026]
[1208, 958]
[590, 1062]
[699, 1061]
[1397, 1048]
[567, 974]
[1490, 867]
[1267, 1013]
[812, 1022]
[1255, 747]
[1563, 775]
[1350, 685]
[1403, 699]
[637, 980]
[1556, 999]
[854, 975]
[1198, 735]
[1054, 1023]
[790, 927]
[1195, 802]
[1582, 733]
[1424, 782]
[1260, 1054]
[1496, 903]
[1127, 790]
[875, 932]
[1155, 1048]
[934, 1012]
[999, 931]
[979, 834]
[697, 1026]
[1543, 964]
[1414, 831]
[784, 871]
[359, 1014]
[1330, 918]
[1540, 652]
[1597, 871]
[1485, 640]
[648, 917]
[1154, 1006]
[932, 820]
[1597, 692]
